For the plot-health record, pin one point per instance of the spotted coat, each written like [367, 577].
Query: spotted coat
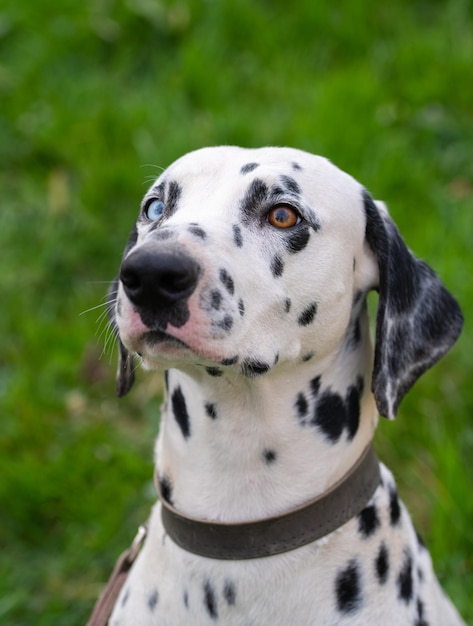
[246, 279]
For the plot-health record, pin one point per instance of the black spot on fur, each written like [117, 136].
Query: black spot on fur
[160, 233]
[237, 236]
[226, 324]
[165, 488]
[174, 193]
[382, 564]
[315, 386]
[348, 588]
[333, 413]
[297, 239]
[277, 266]
[229, 593]
[179, 410]
[368, 521]
[296, 167]
[211, 410]
[290, 184]
[287, 305]
[166, 379]
[254, 368]
[307, 357]
[153, 600]
[421, 621]
[404, 582]
[214, 371]
[307, 316]
[185, 597]
[269, 456]
[215, 299]
[227, 280]
[230, 361]
[394, 507]
[241, 307]
[254, 198]
[197, 231]
[210, 601]
[249, 167]
[302, 406]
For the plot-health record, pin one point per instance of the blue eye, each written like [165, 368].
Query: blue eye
[154, 210]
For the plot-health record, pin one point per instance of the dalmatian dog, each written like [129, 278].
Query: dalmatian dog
[245, 279]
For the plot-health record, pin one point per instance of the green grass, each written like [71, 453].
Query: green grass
[95, 96]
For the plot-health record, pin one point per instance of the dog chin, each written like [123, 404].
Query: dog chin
[158, 349]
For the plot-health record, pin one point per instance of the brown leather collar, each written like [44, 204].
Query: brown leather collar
[281, 533]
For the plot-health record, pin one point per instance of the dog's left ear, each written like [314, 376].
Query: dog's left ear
[418, 320]
[126, 366]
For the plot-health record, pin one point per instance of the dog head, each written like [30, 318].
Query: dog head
[246, 259]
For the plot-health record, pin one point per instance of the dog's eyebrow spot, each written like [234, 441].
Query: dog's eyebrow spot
[255, 196]
[249, 167]
[174, 193]
[290, 184]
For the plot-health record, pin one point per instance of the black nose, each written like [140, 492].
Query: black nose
[158, 280]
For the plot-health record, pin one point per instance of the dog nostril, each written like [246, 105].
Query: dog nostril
[153, 280]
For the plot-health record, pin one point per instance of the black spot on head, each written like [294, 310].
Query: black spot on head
[215, 299]
[253, 368]
[241, 307]
[211, 410]
[166, 488]
[185, 597]
[179, 410]
[368, 521]
[287, 305]
[307, 357]
[229, 593]
[296, 167]
[394, 506]
[153, 600]
[381, 564]
[308, 314]
[302, 406]
[348, 588]
[269, 456]
[230, 361]
[254, 198]
[210, 601]
[404, 581]
[160, 233]
[237, 236]
[174, 193]
[226, 324]
[214, 371]
[290, 184]
[197, 231]
[277, 266]
[249, 167]
[227, 281]
[297, 238]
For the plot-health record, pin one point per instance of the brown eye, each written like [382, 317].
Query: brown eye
[282, 216]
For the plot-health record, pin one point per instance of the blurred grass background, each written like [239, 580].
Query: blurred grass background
[95, 96]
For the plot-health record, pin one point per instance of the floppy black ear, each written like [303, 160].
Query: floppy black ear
[417, 321]
[126, 369]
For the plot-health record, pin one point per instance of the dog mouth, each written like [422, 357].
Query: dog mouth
[155, 338]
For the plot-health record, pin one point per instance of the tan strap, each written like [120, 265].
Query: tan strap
[281, 533]
[104, 606]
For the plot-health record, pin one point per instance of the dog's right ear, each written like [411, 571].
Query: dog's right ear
[126, 366]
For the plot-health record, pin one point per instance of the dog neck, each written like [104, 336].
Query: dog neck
[233, 448]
